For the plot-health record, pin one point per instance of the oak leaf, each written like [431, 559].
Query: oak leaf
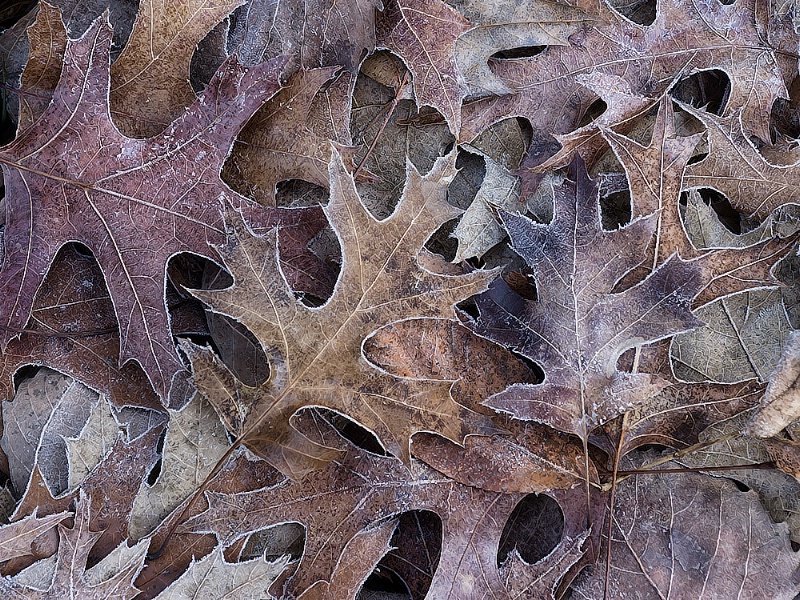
[69, 579]
[360, 489]
[316, 356]
[577, 329]
[424, 34]
[719, 37]
[121, 197]
[674, 536]
[19, 537]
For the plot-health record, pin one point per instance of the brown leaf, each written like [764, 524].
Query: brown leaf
[316, 34]
[360, 489]
[72, 329]
[19, 537]
[655, 178]
[674, 537]
[316, 354]
[370, 545]
[424, 33]
[70, 580]
[150, 79]
[701, 36]
[278, 144]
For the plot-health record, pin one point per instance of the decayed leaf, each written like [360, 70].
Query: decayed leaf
[734, 167]
[46, 409]
[72, 329]
[677, 416]
[424, 33]
[69, 579]
[781, 403]
[505, 25]
[213, 577]
[744, 339]
[655, 177]
[576, 329]
[316, 34]
[150, 79]
[17, 538]
[121, 197]
[359, 489]
[701, 36]
[692, 536]
[194, 442]
[370, 546]
[112, 486]
[478, 231]
[96, 439]
[278, 144]
[316, 354]
[725, 445]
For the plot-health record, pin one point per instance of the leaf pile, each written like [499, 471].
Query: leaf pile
[401, 299]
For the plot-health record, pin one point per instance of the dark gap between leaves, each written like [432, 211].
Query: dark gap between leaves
[642, 12]
[595, 109]
[730, 218]
[407, 571]
[707, 90]
[534, 528]
[152, 476]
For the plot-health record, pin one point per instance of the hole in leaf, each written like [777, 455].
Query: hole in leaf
[152, 476]
[412, 564]
[350, 430]
[442, 242]
[535, 528]
[23, 374]
[294, 193]
[520, 52]
[707, 90]
[742, 487]
[785, 115]
[522, 283]
[727, 215]
[615, 210]
[642, 12]
[596, 108]
[384, 583]
[727, 2]
[795, 546]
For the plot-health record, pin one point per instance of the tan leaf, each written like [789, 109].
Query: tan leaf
[316, 353]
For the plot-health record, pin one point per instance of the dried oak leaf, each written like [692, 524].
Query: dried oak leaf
[214, 577]
[577, 329]
[72, 329]
[781, 403]
[36, 43]
[18, 538]
[655, 176]
[754, 186]
[280, 143]
[527, 458]
[316, 356]
[316, 34]
[692, 536]
[348, 576]
[70, 579]
[360, 489]
[150, 79]
[424, 33]
[133, 203]
[702, 35]
[504, 25]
